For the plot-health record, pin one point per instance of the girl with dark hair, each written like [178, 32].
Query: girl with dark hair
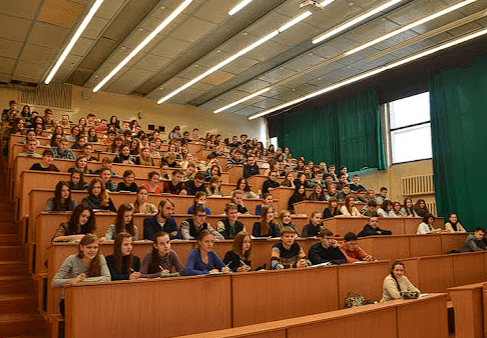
[385, 209]
[214, 170]
[396, 208]
[243, 186]
[80, 142]
[123, 265]
[200, 198]
[421, 208]
[62, 198]
[317, 194]
[123, 223]
[298, 196]
[140, 205]
[203, 260]
[92, 136]
[46, 162]
[162, 259]
[116, 146]
[214, 187]
[427, 226]
[114, 122]
[396, 282]
[75, 133]
[240, 257]
[77, 180]
[128, 183]
[453, 225]
[55, 139]
[408, 208]
[88, 265]
[332, 209]
[124, 155]
[39, 130]
[80, 223]
[98, 198]
[26, 112]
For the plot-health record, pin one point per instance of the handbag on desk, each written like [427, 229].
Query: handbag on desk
[354, 300]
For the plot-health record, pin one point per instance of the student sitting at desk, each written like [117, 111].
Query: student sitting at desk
[30, 147]
[266, 227]
[162, 259]
[214, 187]
[62, 151]
[287, 253]
[153, 184]
[313, 228]
[427, 226]
[140, 205]
[298, 196]
[124, 156]
[162, 221]
[237, 199]
[332, 209]
[128, 184]
[200, 198]
[46, 162]
[408, 208]
[243, 186]
[98, 198]
[326, 251]
[62, 200]
[81, 222]
[318, 194]
[474, 242]
[453, 225]
[174, 186]
[239, 258]
[230, 226]
[81, 163]
[144, 158]
[372, 229]
[349, 209]
[123, 223]
[123, 265]
[268, 199]
[370, 210]
[106, 175]
[352, 251]
[396, 282]
[285, 220]
[88, 265]
[191, 227]
[203, 260]
[385, 209]
[77, 180]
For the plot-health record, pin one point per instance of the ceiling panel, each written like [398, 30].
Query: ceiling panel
[170, 47]
[10, 49]
[214, 11]
[6, 65]
[62, 13]
[29, 71]
[37, 54]
[13, 28]
[192, 30]
[27, 10]
[48, 35]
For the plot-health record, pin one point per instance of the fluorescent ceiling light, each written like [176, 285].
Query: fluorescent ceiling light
[368, 44]
[144, 43]
[220, 65]
[294, 21]
[239, 6]
[355, 21]
[73, 40]
[410, 26]
[373, 72]
[281, 29]
[242, 100]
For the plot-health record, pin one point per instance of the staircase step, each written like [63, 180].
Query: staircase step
[15, 284]
[9, 239]
[13, 253]
[12, 268]
[17, 324]
[15, 303]
[8, 227]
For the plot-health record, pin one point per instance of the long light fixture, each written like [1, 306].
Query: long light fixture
[262, 91]
[144, 43]
[355, 21]
[281, 29]
[373, 72]
[73, 40]
[410, 26]
[365, 45]
[239, 6]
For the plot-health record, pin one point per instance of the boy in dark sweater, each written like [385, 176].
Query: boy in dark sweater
[327, 251]
[287, 253]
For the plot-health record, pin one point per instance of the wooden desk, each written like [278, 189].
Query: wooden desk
[468, 305]
[307, 207]
[402, 246]
[199, 304]
[258, 180]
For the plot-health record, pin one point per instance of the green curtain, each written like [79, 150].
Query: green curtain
[346, 132]
[458, 100]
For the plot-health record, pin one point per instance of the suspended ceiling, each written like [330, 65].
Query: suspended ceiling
[34, 32]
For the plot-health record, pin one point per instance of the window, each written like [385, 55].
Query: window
[410, 129]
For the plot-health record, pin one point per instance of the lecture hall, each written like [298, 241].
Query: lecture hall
[243, 168]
